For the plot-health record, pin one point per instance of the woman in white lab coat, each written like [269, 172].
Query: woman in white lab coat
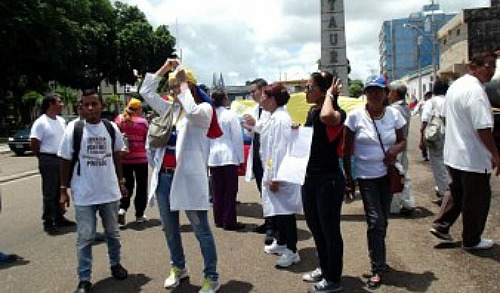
[179, 177]
[280, 200]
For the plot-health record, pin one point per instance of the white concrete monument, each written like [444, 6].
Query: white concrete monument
[333, 43]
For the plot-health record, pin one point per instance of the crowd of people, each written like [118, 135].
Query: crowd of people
[104, 164]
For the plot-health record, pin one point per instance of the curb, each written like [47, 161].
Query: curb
[9, 178]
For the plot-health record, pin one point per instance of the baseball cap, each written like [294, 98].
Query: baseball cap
[376, 81]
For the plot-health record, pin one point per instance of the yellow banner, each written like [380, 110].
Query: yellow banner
[297, 106]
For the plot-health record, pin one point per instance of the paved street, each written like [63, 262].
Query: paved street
[419, 263]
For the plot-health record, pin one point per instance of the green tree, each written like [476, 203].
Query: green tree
[69, 96]
[32, 100]
[355, 88]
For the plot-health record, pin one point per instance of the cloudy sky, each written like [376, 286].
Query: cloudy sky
[274, 39]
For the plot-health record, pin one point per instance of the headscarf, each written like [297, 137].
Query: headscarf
[214, 130]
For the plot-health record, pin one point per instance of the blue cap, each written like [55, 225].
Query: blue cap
[377, 81]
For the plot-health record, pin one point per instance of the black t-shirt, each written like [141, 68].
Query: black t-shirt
[323, 157]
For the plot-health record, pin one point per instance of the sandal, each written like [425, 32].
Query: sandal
[374, 282]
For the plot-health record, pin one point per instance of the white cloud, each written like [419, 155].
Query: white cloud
[245, 39]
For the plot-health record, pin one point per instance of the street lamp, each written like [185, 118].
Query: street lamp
[432, 38]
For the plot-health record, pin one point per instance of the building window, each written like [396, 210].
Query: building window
[458, 32]
[424, 88]
[445, 41]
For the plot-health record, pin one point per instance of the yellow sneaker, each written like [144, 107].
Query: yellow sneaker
[175, 277]
[209, 286]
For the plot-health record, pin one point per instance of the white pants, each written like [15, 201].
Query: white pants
[403, 199]
[440, 172]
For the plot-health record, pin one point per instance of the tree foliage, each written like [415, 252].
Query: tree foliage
[355, 88]
[76, 43]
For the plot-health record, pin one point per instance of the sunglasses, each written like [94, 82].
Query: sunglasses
[310, 88]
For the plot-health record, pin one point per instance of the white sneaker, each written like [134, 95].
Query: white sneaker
[274, 248]
[209, 286]
[288, 258]
[175, 277]
[483, 244]
[313, 276]
[141, 219]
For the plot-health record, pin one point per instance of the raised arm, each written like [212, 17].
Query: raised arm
[150, 85]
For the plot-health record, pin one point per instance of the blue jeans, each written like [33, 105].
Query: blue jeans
[86, 227]
[377, 197]
[171, 228]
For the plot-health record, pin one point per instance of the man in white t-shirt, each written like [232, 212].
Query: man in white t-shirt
[45, 137]
[435, 106]
[96, 185]
[470, 154]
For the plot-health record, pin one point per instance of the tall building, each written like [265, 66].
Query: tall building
[407, 44]
[470, 32]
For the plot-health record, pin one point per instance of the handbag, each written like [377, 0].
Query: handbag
[396, 179]
[161, 128]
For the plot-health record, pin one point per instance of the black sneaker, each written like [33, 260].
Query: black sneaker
[119, 272]
[326, 286]
[443, 235]
[63, 222]
[50, 229]
[83, 287]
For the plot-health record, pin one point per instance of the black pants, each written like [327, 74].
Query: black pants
[471, 197]
[286, 226]
[49, 166]
[257, 170]
[377, 197]
[322, 197]
[136, 173]
[224, 190]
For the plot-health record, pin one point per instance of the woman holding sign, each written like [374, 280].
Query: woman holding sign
[280, 200]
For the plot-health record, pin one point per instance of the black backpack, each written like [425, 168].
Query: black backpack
[77, 142]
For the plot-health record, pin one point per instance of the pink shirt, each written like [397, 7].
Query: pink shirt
[136, 133]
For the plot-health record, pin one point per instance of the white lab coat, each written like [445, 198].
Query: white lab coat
[274, 138]
[264, 116]
[227, 149]
[189, 190]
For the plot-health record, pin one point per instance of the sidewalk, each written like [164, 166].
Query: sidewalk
[4, 148]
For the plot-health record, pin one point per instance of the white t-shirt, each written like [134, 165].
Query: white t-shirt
[467, 109]
[367, 150]
[438, 103]
[49, 132]
[97, 182]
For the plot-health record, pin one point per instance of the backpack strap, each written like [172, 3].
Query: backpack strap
[77, 143]
[111, 131]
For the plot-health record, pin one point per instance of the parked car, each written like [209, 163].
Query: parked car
[19, 143]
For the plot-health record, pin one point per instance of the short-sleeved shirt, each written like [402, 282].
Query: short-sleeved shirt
[467, 109]
[137, 132]
[49, 132]
[434, 105]
[367, 150]
[97, 182]
[324, 157]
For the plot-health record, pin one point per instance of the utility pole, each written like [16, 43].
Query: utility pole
[434, 51]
